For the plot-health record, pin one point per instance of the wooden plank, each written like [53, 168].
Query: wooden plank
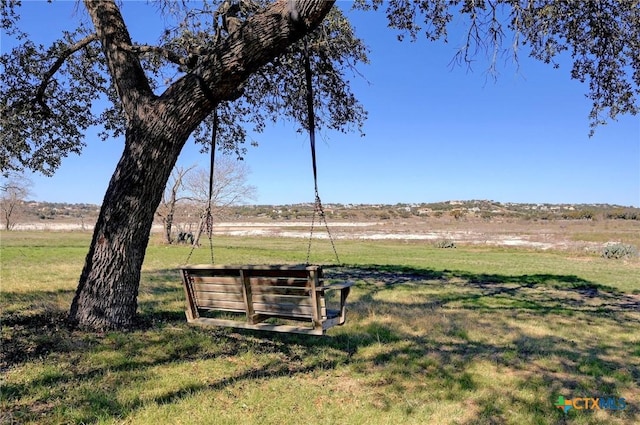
[211, 287]
[254, 269]
[192, 309]
[280, 290]
[280, 286]
[205, 321]
[292, 300]
[278, 273]
[218, 280]
[235, 306]
[212, 297]
[315, 297]
[266, 305]
[247, 296]
[284, 310]
[279, 281]
[336, 285]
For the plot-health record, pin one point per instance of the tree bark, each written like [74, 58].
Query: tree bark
[157, 129]
[106, 297]
[168, 226]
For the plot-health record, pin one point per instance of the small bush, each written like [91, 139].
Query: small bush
[619, 250]
[445, 243]
[456, 214]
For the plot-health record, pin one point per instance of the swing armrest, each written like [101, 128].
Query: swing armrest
[339, 316]
[337, 285]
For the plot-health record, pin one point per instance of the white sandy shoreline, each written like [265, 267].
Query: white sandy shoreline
[359, 231]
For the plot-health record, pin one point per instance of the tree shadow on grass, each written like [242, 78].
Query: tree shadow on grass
[552, 334]
[411, 333]
[541, 293]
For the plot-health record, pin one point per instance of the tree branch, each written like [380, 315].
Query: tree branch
[124, 64]
[169, 55]
[221, 71]
[56, 66]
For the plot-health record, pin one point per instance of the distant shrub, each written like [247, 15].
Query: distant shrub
[579, 215]
[623, 214]
[445, 243]
[619, 250]
[456, 214]
[486, 215]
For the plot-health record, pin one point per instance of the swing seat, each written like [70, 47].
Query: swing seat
[261, 297]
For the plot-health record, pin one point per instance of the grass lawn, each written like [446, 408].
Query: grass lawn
[473, 335]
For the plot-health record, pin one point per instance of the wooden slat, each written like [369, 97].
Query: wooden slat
[284, 310]
[210, 287]
[205, 321]
[266, 270]
[279, 281]
[292, 273]
[218, 296]
[192, 309]
[282, 299]
[218, 280]
[236, 306]
[280, 290]
[247, 297]
[337, 285]
[317, 312]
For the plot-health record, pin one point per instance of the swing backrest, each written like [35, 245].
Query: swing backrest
[260, 293]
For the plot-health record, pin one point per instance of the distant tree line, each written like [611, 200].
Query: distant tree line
[459, 210]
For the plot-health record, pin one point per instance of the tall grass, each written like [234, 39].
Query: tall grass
[466, 336]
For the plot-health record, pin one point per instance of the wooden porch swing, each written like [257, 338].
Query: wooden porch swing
[280, 298]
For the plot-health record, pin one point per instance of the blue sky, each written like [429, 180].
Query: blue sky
[434, 133]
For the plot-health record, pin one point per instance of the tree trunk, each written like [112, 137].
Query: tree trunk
[168, 225]
[106, 297]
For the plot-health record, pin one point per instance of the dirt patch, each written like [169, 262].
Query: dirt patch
[535, 236]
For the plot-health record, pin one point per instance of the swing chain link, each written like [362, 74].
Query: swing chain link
[209, 226]
[319, 209]
[206, 224]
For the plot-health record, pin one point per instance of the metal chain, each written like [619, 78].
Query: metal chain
[206, 222]
[320, 211]
[209, 222]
